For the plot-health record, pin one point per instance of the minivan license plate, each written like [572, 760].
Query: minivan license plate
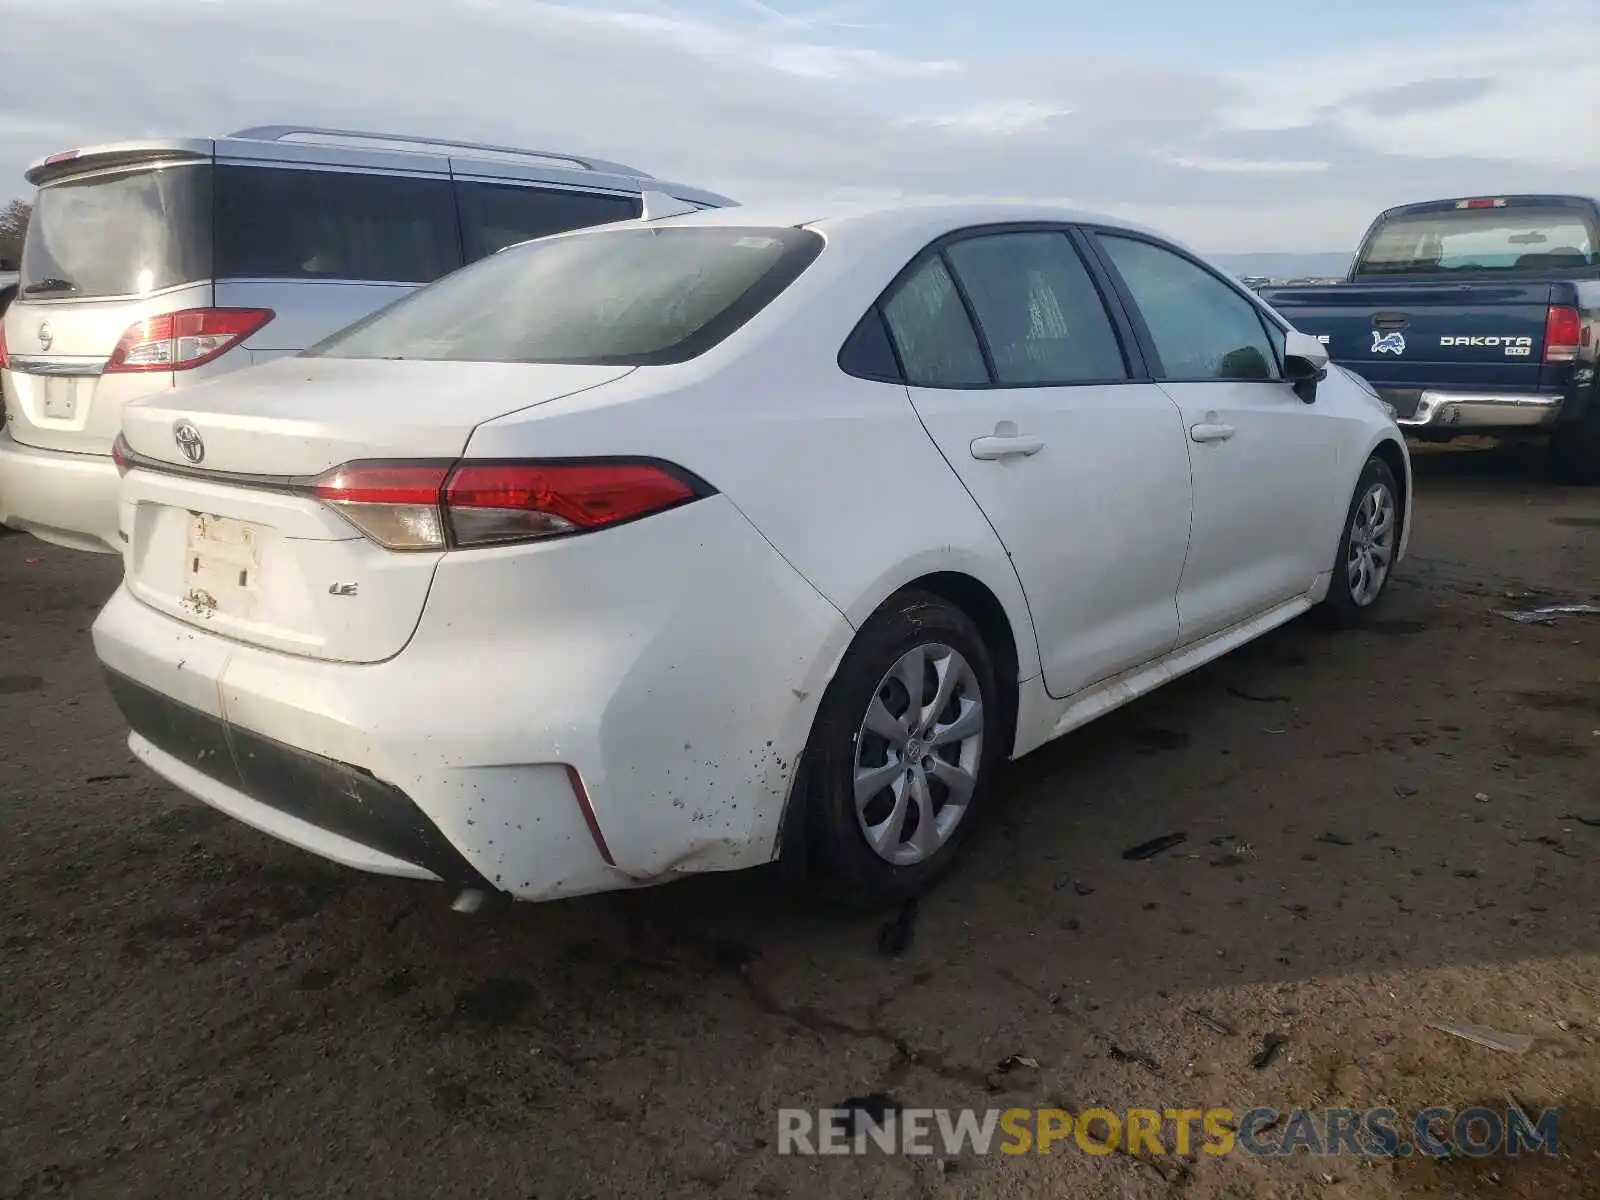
[60, 398]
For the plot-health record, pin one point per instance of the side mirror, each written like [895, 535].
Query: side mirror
[1305, 363]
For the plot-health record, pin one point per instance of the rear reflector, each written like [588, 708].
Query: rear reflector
[5, 355]
[1563, 334]
[581, 794]
[184, 340]
[119, 455]
[438, 505]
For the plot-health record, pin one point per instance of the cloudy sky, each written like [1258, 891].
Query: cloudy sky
[1281, 125]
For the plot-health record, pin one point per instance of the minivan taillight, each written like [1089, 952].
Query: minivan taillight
[184, 340]
[1563, 332]
[440, 505]
[5, 355]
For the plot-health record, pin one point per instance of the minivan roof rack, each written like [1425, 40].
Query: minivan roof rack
[278, 133]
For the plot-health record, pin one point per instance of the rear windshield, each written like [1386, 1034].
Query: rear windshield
[624, 297]
[125, 234]
[1521, 239]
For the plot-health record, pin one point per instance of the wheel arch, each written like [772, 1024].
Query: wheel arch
[1008, 648]
[1394, 456]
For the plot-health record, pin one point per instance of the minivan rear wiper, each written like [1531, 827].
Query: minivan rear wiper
[51, 284]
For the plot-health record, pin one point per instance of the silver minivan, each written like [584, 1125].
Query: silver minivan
[160, 263]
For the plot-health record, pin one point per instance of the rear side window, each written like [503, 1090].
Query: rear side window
[1201, 327]
[494, 216]
[624, 297]
[931, 332]
[123, 234]
[1039, 310]
[277, 223]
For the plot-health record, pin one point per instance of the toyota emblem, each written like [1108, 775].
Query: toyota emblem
[45, 335]
[188, 439]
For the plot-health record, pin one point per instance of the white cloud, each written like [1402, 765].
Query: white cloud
[764, 98]
[1246, 166]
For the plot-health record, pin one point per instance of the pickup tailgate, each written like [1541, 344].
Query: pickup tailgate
[1404, 337]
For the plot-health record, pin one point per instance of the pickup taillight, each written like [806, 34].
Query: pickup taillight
[1563, 334]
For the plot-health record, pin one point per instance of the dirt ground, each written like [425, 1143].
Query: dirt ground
[1385, 830]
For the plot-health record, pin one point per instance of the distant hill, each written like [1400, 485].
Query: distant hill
[1286, 265]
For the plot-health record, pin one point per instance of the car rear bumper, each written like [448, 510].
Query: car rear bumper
[1449, 411]
[67, 499]
[544, 734]
[319, 804]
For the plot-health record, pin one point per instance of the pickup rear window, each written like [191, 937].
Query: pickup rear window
[1520, 239]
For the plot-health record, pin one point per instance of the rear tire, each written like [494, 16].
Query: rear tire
[1367, 548]
[1575, 449]
[894, 788]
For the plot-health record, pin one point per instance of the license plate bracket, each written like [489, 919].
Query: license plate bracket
[222, 566]
[60, 398]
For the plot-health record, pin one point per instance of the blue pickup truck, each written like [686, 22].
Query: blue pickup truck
[1474, 317]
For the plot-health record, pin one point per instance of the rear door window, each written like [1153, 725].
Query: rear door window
[285, 223]
[1039, 310]
[494, 216]
[931, 331]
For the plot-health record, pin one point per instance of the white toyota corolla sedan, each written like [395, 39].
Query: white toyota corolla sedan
[687, 544]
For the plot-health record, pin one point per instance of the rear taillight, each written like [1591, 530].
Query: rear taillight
[1563, 333]
[5, 355]
[119, 455]
[435, 505]
[183, 340]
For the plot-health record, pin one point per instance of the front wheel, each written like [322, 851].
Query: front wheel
[1367, 549]
[904, 747]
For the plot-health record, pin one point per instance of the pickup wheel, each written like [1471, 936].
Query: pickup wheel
[1575, 449]
[1367, 548]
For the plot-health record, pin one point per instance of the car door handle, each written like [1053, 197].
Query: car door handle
[1013, 445]
[1211, 433]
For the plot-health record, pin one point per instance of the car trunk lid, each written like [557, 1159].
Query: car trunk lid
[221, 526]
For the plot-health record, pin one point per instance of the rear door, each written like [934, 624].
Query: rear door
[105, 251]
[1025, 381]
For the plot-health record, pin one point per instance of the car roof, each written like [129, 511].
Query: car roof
[908, 217]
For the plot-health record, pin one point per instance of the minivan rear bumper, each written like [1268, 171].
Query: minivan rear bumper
[66, 499]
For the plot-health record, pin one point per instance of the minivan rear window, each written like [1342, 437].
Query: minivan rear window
[288, 223]
[494, 216]
[624, 297]
[1511, 239]
[122, 234]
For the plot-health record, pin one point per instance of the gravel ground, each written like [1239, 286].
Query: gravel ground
[1385, 830]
